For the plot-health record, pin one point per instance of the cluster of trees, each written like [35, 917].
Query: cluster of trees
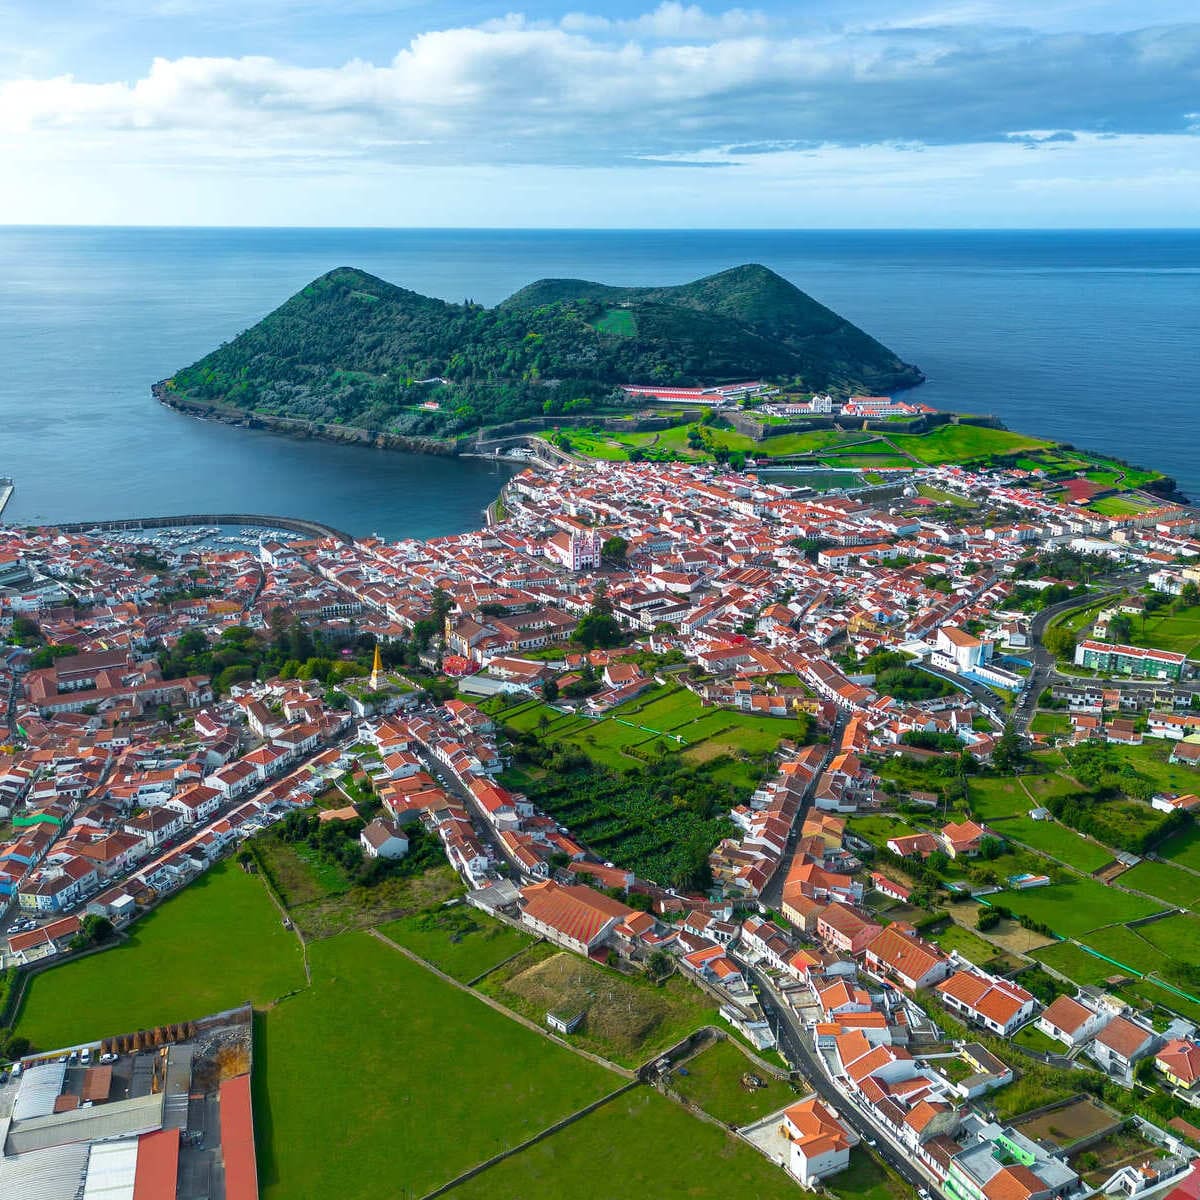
[1061, 563]
[292, 651]
[599, 628]
[94, 930]
[660, 821]
[336, 843]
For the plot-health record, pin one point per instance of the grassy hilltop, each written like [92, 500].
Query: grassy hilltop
[350, 349]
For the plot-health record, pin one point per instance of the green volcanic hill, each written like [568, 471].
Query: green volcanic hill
[353, 350]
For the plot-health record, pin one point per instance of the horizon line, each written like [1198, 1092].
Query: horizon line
[659, 229]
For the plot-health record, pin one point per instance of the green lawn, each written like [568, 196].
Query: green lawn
[994, 796]
[1050, 722]
[1177, 936]
[878, 828]
[1171, 884]
[671, 718]
[1150, 759]
[866, 1178]
[422, 1080]
[1183, 847]
[714, 1083]
[1076, 906]
[461, 941]
[617, 320]
[641, 1144]
[969, 944]
[1177, 632]
[1055, 840]
[1032, 1038]
[932, 493]
[1128, 947]
[960, 443]
[217, 944]
[1085, 969]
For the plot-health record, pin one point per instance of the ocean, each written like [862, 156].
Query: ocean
[1088, 337]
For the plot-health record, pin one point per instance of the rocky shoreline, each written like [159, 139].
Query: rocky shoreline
[301, 429]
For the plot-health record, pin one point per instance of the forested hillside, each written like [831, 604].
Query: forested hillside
[352, 349]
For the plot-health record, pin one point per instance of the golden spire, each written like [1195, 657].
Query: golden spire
[376, 669]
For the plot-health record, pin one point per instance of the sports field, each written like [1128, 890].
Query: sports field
[412, 1079]
[217, 944]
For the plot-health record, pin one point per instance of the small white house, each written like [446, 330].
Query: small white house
[383, 839]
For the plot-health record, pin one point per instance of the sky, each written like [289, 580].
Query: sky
[859, 113]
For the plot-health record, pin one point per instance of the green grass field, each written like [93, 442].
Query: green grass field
[217, 944]
[1085, 969]
[1169, 883]
[994, 796]
[1128, 947]
[714, 1083]
[1150, 759]
[1123, 505]
[1183, 847]
[1177, 936]
[422, 1080]
[670, 718]
[617, 320]
[640, 1144]
[866, 1178]
[1055, 840]
[461, 941]
[1076, 906]
[1177, 632]
[970, 945]
[961, 443]
[1050, 722]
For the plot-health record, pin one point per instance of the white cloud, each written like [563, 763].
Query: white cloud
[664, 94]
[672, 21]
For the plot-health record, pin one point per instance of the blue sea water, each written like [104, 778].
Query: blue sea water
[1091, 337]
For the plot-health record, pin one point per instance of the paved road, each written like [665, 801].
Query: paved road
[772, 894]
[798, 1050]
[486, 830]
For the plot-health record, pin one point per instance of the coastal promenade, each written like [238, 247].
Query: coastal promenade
[294, 524]
[6, 491]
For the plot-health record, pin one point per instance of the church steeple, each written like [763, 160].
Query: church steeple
[377, 670]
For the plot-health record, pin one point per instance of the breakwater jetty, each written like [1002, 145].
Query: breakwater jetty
[314, 529]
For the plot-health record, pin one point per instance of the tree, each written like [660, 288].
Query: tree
[1120, 629]
[601, 604]
[615, 548]
[1189, 597]
[986, 918]
[1059, 641]
[659, 965]
[549, 690]
[1009, 754]
[440, 605]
